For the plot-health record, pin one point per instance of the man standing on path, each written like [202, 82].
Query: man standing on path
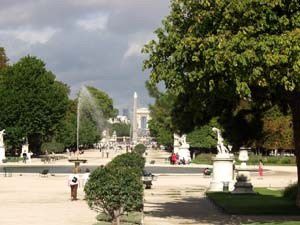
[73, 182]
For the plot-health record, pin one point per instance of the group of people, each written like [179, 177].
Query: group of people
[74, 182]
[175, 160]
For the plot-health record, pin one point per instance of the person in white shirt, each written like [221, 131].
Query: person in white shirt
[85, 177]
[73, 182]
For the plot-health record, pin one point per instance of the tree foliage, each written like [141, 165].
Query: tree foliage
[122, 129]
[277, 130]
[115, 190]
[160, 124]
[132, 160]
[139, 149]
[3, 58]
[32, 101]
[204, 137]
[212, 54]
[66, 130]
[104, 102]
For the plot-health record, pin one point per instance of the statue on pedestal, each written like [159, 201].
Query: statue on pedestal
[222, 149]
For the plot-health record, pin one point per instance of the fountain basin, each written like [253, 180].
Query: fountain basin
[77, 164]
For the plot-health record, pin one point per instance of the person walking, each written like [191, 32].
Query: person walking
[73, 182]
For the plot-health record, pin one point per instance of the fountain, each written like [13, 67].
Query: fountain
[85, 99]
[222, 166]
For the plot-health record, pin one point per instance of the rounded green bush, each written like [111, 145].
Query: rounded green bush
[140, 149]
[131, 160]
[112, 188]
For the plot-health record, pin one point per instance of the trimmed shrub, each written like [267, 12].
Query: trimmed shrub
[131, 160]
[115, 190]
[291, 191]
[140, 149]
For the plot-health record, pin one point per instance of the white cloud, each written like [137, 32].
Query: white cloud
[136, 43]
[94, 22]
[30, 36]
[134, 49]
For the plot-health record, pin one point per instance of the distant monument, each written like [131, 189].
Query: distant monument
[134, 120]
[222, 166]
[2, 145]
[139, 123]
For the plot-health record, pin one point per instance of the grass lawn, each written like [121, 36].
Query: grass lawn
[265, 202]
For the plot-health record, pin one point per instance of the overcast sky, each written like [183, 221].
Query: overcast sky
[92, 42]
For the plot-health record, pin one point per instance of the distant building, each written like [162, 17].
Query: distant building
[119, 119]
[139, 125]
[125, 112]
[143, 117]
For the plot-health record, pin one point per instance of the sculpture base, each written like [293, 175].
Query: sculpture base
[184, 153]
[242, 187]
[2, 153]
[222, 174]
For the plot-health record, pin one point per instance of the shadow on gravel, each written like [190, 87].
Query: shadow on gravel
[202, 211]
[199, 210]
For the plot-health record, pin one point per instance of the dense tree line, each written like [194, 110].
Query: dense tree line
[212, 55]
[35, 106]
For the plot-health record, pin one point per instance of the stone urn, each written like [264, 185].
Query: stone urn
[243, 156]
[243, 185]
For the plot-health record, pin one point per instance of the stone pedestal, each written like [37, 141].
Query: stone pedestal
[184, 153]
[2, 153]
[176, 148]
[243, 184]
[222, 173]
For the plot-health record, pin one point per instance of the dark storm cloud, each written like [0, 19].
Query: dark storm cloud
[93, 42]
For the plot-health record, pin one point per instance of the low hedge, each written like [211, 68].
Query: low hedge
[253, 159]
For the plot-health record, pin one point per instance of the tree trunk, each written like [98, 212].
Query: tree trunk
[295, 107]
[117, 215]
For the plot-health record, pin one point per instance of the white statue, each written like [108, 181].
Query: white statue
[220, 145]
[2, 132]
[176, 140]
[183, 139]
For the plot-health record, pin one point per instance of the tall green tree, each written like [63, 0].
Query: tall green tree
[66, 130]
[213, 53]
[122, 129]
[104, 102]
[32, 101]
[3, 58]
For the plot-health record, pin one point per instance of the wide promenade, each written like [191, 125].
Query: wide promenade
[175, 198]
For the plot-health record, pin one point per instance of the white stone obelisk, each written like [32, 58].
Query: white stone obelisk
[134, 122]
